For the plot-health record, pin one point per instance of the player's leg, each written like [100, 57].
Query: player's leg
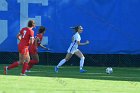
[17, 63]
[13, 65]
[25, 58]
[68, 56]
[82, 58]
[34, 60]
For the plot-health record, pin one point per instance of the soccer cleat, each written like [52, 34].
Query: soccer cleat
[83, 71]
[28, 71]
[56, 69]
[5, 70]
[23, 74]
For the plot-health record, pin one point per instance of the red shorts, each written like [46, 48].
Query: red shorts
[33, 50]
[23, 50]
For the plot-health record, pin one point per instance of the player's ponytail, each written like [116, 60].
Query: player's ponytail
[41, 29]
[76, 28]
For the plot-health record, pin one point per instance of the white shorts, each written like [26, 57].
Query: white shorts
[72, 51]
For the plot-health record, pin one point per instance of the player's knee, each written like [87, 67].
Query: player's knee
[27, 60]
[37, 61]
[67, 59]
[82, 58]
[20, 63]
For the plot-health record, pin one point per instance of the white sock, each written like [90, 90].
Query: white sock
[82, 62]
[61, 62]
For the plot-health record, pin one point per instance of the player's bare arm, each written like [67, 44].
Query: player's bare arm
[43, 47]
[19, 36]
[79, 43]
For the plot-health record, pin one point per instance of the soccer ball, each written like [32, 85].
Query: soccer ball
[109, 70]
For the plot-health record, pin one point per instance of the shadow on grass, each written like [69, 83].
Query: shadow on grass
[120, 74]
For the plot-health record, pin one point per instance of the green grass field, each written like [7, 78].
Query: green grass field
[43, 79]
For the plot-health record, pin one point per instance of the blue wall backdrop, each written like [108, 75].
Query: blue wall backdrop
[111, 26]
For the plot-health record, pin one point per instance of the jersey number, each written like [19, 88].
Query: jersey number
[24, 33]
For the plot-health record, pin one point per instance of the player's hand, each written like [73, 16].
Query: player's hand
[87, 42]
[48, 49]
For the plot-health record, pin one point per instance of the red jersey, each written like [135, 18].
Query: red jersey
[26, 33]
[33, 47]
[39, 36]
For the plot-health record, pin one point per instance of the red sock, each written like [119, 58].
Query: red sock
[31, 63]
[29, 66]
[24, 68]
[13, 65]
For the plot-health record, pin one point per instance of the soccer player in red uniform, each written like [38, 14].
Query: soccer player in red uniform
[26, 37]
[33, 48]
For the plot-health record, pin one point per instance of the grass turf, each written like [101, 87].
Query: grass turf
[43, 79]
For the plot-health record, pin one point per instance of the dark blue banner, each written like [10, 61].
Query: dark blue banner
[111, 26]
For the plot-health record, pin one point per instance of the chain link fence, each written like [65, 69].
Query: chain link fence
[117, 60]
